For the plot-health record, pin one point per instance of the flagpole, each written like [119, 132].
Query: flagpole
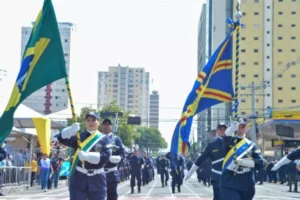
[238, 16]
[74, 118]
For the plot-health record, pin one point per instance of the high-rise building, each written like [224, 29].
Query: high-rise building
[212, 30]
[269, 52]
[129, 87]
[53, 97]
[154, 110]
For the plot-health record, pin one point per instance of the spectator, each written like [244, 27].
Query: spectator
[56, 164]
[45, 168]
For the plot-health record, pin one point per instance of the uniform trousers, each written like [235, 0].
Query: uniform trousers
[232, 194]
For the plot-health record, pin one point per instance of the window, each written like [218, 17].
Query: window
[293, 12]
[243, 63]
[280, 25]
[268, 82]
[293, 101]
[255, 50]
[279, 63]
[293, 38]
[279, 0]
[255, 75]
[268, 57]
[293, 50]
[268, 32]
[279, 38]
[279, 88]
[268, 69]
[280, 13]
[66, 40]
[243, 100]
[243, 75]
[66, 54]
[293, 25]
[256, 102]
[268, 7]
[243, 13]
[255, 63]
[268, 95]
[279, 75]
[268, 20]
[279, 50]
[256, 1]
[268, 45]
[293, 75]
[280, 100]
[243, 50]
[255, 38]
[293, 88]
[243, 38]
[243, 113]
[256, 13]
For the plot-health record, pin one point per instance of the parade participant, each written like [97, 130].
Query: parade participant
[237, 180]
[164, 174]
[176, 171]
[295, 155]
[136, 162]
[89, 178]
[111, 167]
[3, 155]
[215, 152]
[146, 170]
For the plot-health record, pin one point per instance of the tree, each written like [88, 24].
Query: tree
[125, 131]
[150, 139]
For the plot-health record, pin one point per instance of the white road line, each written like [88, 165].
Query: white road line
[172, 195]
[269, 197]
[192, 191]
[123, 196]
[120, 186]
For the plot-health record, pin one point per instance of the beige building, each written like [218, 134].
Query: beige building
[129, 87]
[269, 44]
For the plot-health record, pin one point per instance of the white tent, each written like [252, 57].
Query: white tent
[23, 117]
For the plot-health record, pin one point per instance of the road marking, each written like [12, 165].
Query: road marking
[192, 191]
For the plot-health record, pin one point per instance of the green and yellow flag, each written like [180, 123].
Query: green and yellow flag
[43, 63]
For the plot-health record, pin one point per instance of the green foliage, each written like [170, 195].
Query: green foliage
[150, 139]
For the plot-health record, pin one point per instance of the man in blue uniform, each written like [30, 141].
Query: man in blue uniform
[3, 155]
[237, 180]
[111, 168]
[146, 169]
[295, 155]
[164, 174]
[177, 163]
[136, 162]
[89, 179]
[215, 152]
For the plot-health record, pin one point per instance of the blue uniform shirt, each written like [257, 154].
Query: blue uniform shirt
[295, 155]
[105, 150]
[117, 150]
[244, 181]
[135, 162]
[215, 152]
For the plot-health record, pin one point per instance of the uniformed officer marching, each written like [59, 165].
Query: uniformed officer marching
[237, 180]
[294, 155]
[215, 152]
[111, 167]
[164, 174]
[147, 169]
[136, 162]
[89, 179]
[3, 155]
[177, 163]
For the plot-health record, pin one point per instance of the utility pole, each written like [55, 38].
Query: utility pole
[253, 94]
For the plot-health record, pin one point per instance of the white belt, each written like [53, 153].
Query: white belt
[107, 170]
[89, 172]
[216, 171]
[217, 161]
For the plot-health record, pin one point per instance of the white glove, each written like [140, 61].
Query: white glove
[70, 131]
[190, 173]
[115, 159]
[91, 157]
[283, 161]
[245, 162]
[233, 127]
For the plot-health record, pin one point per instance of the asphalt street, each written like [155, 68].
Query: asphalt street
[190, 190]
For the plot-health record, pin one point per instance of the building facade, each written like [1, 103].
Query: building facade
[129, 87]
[53, 97]
[268, 54]
[154, 110]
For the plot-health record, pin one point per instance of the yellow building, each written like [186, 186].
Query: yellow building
[269, 52]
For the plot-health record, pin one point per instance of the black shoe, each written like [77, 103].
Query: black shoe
[178, 189]
[166, 183]
[132, 190]
[1, 194]
[173, 190]
[139, 189]
[162, 185]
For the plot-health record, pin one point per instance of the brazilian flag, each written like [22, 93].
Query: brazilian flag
[42, 63]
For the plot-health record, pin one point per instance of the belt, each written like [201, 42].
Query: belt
[107, 170]
[90, 172]
[216, 171]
